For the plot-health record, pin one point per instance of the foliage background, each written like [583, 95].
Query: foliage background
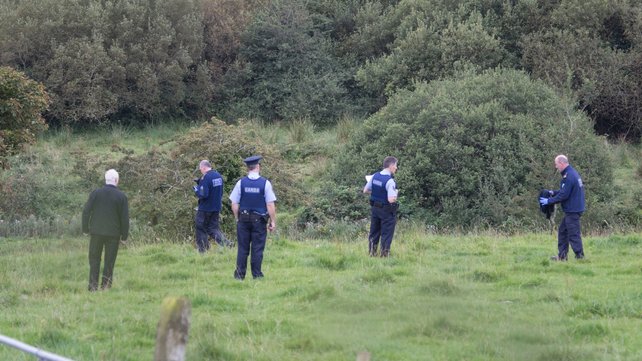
[476, 97]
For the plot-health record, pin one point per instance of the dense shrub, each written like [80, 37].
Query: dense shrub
[101, 59]
[476, 150]
[22, 102]
[159, 183]
[285, 69]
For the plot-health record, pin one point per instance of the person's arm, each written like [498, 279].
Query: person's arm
[86, 212]
[204, 186]
[235, 211]
[391, 188]
[124, 220]
[235, 199]
[563, 193]
[368, 187]
[272, 212]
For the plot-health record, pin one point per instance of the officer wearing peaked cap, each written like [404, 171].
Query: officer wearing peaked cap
[254, 210]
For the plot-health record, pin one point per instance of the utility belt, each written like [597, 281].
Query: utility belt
[392, 207]
[252, 217]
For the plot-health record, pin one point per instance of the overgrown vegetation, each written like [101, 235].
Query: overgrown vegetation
[475, 151]
[159, 182]
[22, 102]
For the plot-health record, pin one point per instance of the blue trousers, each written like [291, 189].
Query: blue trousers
[382, 228]
[251, 241]
[207, 224]
[569, 232]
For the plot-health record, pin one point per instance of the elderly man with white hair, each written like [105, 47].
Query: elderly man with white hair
[106, 218]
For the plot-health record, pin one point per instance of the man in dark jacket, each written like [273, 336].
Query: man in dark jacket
[106, 218]
[209, 191]
[571, 196]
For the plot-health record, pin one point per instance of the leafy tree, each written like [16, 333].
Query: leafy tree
[107, 59]
[424, 41]
[285, 68]
[590, 51]
[474, 151]
[22, 102]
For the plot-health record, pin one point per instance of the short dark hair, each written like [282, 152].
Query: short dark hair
[253, 166]
[388, 161]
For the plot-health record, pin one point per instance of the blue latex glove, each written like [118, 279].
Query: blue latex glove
[543, 201]
[195, 188]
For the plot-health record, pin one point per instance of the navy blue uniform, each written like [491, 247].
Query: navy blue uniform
[571, 196]
[251, 228]
[383, 215]
[210, 195]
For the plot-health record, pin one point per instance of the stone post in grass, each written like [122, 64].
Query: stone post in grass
[173, 328]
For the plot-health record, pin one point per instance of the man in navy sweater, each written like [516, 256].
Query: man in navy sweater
[209, 190]
[571, 196]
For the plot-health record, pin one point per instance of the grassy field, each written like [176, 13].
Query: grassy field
[483, 297]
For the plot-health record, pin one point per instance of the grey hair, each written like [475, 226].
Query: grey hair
[111, 177]
[205, 163]
[562, 159]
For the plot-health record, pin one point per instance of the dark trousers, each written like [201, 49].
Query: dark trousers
[570, 233]
[382, 227]
[251, 236]
[96, 245]
[207, 224]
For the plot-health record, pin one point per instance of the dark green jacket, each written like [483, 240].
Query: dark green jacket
[106, 213]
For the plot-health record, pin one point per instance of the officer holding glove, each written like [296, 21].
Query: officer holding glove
[571, 196]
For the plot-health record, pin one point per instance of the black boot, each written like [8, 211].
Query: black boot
[372, 249]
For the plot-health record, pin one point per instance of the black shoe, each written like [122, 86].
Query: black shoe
[238, 276]
[372, 250]
[385, 252]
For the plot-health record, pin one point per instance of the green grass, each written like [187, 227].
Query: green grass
[477, 297]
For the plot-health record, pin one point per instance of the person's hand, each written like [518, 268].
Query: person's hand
[543, 201]
[195, 188]
[551, 192]
[272, 226]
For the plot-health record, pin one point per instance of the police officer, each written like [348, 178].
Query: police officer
[571, 195]
[253, 207]
[209, 190]
[106, 218]
[383, 201]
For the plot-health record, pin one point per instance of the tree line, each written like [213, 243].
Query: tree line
[278, 60]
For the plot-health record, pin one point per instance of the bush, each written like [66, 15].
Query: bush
[475, 151]
[159, 183]
[22, 102]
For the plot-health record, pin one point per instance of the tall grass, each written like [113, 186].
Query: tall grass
[481, 297]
